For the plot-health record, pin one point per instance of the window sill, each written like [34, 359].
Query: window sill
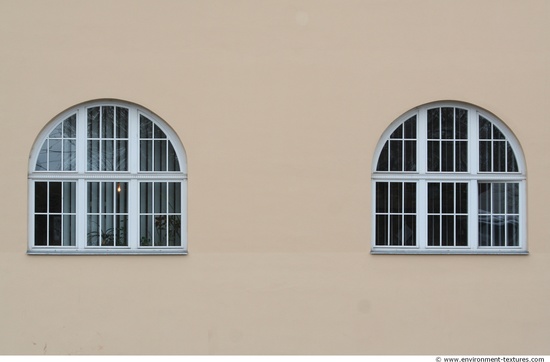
[107, 252]
[447, 252]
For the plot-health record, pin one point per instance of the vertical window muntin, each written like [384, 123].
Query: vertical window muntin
[472, 177]
[125, 173]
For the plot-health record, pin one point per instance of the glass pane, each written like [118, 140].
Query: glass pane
[512, 198]
[145, 233]
[42, 161]
[462, 231]
[121, 156]
[410, 155]
[173, 163]
[69, 155]
[381, 197]
[396, 230]
[121, 122]
[499, 156]
[107, 122]
[461, 129]
[485, 156]
[512, 164]
[410, 128]
[383, 159]
[121, 197]
[410, 230]
[160, 230]
[40, 230]
[69, 230]
[146, 197]
[93, 122]
[447, 123]
[174, 230]
[381, 230]
[146, 156]
[484, 128]
[69, 197]
[174, 200]
[40, 197]
[57, 131]
[498, 198]
[512, 234]
[484, 227]
[410, 197]
[433, 197]
[55, 154]
[461, 160]
[93, 230]
[69, 127]
[93, 155]
[447, 197]
[497, 135]
[433, 123]
[159, 133]
[398, 133]
[447, 156]
[484, 195]
[145, 127]
[107, 197]
[498, 230]
[121, 233]
[396, 156]
[160, 155]
[433, 230]
[93, 197]
[107, 160]
[447, 230]
[55, 197]
[55, 230]
[160, 197]
[433, 155]
[396, 197]
[107, 231]
[462, 198]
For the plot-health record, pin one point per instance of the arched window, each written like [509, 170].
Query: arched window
[107, 178]
[448, 177]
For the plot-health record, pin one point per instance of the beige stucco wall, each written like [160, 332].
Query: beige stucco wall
[279, 105]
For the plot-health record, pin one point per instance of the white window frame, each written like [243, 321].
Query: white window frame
[133, 176]
[421, 177]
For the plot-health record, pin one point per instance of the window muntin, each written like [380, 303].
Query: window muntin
[464, 156]
[85, 197]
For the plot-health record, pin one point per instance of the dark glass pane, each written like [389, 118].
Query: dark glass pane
[107, 160]
[146, 156]
[121, 198]
[462, 231]
[462, 198]
[447, 123]
[174, 230]
[484, 198]
[121, 122]
[94, 233]
[410, 230]
[108, 122]
[484, 228]
[40, 230]
[499, 225]
[42, 161]
[173, 163]
[383, 159]
[121, 234]
[448, 230]
[160, 155]
[174, 197]
[69, 197]
[146, 197]
[69, 127]
[159, 133]
[160, 197]
[410, 155]
[93, 155]
[69, 230]
[461, 124]
[40, 197]
[410, 128]
[434, 196]
[484, 128]
[55, 197]
[396, 197]
[55, 154]
[69, 155]
[381, 230]
[461, 154]
[447, 198]
[93, 197]
[107, 236]
[145, 127]
[512, 237]
[433, 123]
[107, 199]
[396, 236]
[160, 230]
[512, 198]
[485, 156]
[398, 133]
[146, 230]
[433, 230]
[498, 198]
[499, 156]
[410, 198]
[57, 131]
[121, 156]
[396, 156]
[93, 122]
[447, 156]
[512, 164]
[433, 155]
[381, 197]
[497, 135]
[55, 230]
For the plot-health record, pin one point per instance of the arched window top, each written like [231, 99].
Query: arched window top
[448, 137]
[449, 177]
[107, 177]
[106, 131]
